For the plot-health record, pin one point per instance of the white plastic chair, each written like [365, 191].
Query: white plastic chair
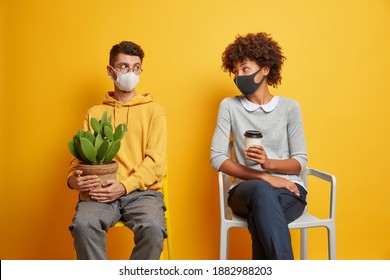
[305, 221]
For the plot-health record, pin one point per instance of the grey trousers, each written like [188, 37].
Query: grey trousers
[141, 211]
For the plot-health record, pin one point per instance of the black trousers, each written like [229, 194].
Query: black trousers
[268, 210]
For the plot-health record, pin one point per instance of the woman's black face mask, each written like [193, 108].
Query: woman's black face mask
[247, 85]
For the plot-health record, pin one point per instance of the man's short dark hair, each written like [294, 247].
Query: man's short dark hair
[126, 47]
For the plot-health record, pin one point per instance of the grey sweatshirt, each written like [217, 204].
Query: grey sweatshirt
[280, 121]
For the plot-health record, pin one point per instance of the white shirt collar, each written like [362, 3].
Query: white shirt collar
[250, 106]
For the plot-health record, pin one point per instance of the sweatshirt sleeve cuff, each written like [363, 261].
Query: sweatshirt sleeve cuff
[217, 161]
[131, 184]
[302, 162]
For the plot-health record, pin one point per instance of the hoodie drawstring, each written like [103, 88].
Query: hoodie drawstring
[127, 117]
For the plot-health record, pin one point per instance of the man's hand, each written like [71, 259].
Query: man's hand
[83, 183]
[111, 190]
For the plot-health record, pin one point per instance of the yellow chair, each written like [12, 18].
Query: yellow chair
[167, 242]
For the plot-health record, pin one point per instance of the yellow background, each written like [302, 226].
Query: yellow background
[53, 59]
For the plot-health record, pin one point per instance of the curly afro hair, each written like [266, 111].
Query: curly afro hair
[259, 47]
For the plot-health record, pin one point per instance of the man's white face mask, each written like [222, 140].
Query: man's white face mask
[125, 81]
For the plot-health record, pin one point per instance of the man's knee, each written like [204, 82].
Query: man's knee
[82, 227]
[153, 230]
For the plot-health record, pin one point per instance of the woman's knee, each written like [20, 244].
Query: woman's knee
[262, 191]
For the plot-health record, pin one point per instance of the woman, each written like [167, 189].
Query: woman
[267, 189]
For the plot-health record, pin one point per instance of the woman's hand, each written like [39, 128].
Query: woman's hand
[284, 166]
[279, 182]
[258, 155]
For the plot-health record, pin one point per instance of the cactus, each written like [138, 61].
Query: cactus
[99, 147]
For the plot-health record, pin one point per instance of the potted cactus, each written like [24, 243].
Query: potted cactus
[96, 149]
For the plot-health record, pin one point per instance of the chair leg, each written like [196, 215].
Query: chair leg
[170, 253]
[223, 245]
[169, 239]
[165, 254]
[331, 243]
[303, 243]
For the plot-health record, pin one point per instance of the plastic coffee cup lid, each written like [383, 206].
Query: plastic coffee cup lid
[253, 134]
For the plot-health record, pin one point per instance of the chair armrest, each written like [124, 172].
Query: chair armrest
[322, 175]
[332, 180]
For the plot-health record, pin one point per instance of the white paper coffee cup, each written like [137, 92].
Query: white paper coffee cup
[252, 137]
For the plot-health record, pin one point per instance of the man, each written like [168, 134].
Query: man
[134, 197]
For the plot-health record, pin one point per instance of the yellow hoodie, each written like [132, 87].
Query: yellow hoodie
[142, 155]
